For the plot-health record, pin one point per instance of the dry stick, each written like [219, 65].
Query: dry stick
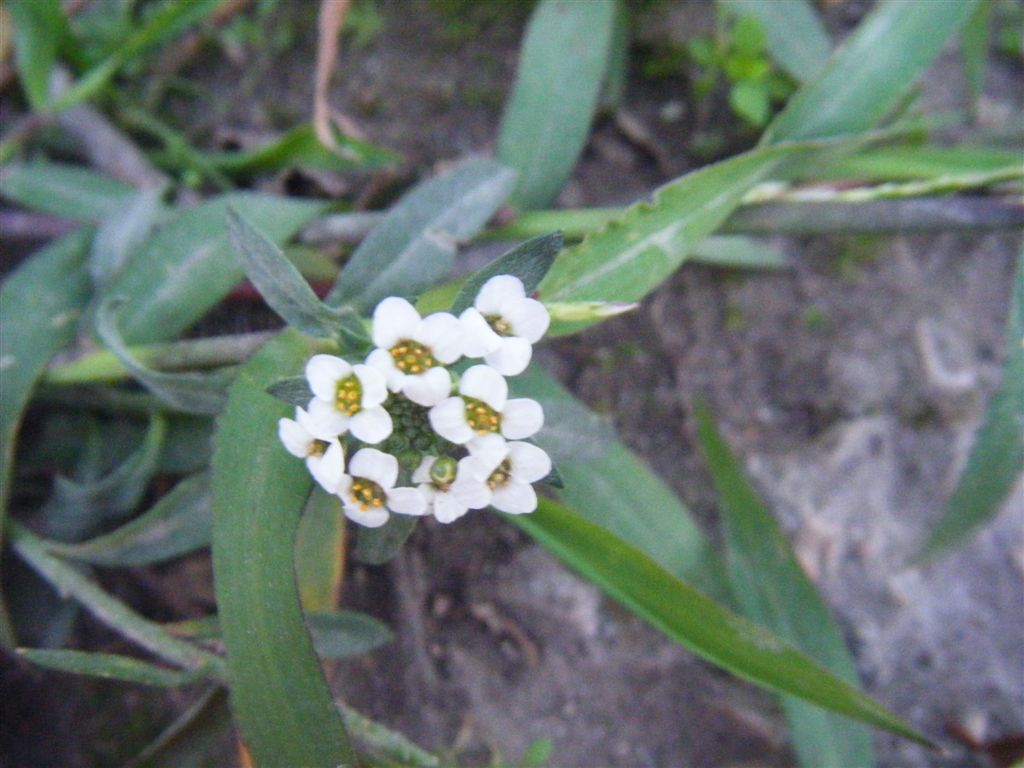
[332, 17]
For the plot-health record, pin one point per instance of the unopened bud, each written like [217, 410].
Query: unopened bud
[443, 471]
[582, 311]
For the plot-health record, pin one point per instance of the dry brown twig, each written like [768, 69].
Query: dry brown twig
[332, 17]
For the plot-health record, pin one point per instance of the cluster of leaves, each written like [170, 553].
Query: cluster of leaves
[138, 273]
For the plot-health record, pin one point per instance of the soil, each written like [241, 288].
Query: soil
[850, 383]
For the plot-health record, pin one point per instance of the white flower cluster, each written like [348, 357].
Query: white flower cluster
[459, 439]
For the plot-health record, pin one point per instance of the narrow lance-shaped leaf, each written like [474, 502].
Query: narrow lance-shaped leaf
[562, 65]
[529, 261]
[688, 617]
[38, 27]
[997, 456]
[793, 31]
[869, 73]
[179, 523]
[320, 552]
[774, 591]
[198, 393]
[121, 233]
[69, 191]
[280, 698]
[282, 286]
[108, 666]
[414, 245]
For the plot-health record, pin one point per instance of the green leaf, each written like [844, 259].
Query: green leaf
[688, 617]
[974, 48]
[190, 740]
[294, 390]
[197, 393]
[563, 61]
[188, 265]
[76, 508]
[794, 34]
[320, 552]
[884, 164]
[343, 634]
[179, 523]
[38, 28]
[300, 148]
[282, 286]
[747, 35]
[611, 487]
[616, 74]
[749, 99]
[738, 252]
[69, 191]
[121, 233]
[997, 456]
[529, 261]
[379, 545]
[108, 666]
[280, 698]
[39, 305]
[68, 580]
[868, 75]
[774, 591]
[414, 245]
[631, 255]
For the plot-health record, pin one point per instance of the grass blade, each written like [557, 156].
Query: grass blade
[997, 456]
[38, 28]
[564, 58]
[738, 252]
[69, 191]
[413, 247]
[279, 695]
[774, 591]
[794, 34]
[688, 617]
[121, 233]
[108, 666]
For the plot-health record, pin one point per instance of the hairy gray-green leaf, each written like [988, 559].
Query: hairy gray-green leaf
[69, 191]
[179, 523]
[108, 666]
[294, 390]
[774, 591]
[38, 27]
[379, 545]
[414, 245]
[197, 393]
[794, 34]
[868, 75]
[341, 634]
[997, 456]
[547, 118]
[121, 233]
[529, 261]
[282, 286]
[188, 266]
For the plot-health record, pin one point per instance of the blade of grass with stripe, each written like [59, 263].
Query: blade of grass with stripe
[563, 62]
[773, 590]
[697, 622]
[279, 696]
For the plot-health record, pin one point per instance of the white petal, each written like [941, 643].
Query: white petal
[394, 319]
[407, 501]
[448, 418]
[528, 318]
[374, 517]
[489, 449]
[496, 292]
[514, 498]
[343, 487]
[380, 467]
[521, 418]
[442, 333]
[473, 469]
[529, 463]
[478, 338]
[422, 473]
[371, 425]
[374, 384]
[325, 421]
[473, 494]
[381, 360]
[323, 372]
[511, 357]
[428, 388]
[328, 469]
[296, 439]
[482, 382]
[447, 508]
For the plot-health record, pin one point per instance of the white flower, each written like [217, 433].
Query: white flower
[412, 351]
[368, 492]
[324, 457]
[449, 491]
[503, 324]
[507, 469]
[483, 407]
[347, 398]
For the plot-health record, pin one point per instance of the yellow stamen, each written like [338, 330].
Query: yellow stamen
[412, 357]
[481, 418]
[349, 395]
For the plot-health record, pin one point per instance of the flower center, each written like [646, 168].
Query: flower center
[349, 395]
[481, 418]
[366, 493]
[499, 324]
[317, 448]
[412, 357]
[500, 476]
